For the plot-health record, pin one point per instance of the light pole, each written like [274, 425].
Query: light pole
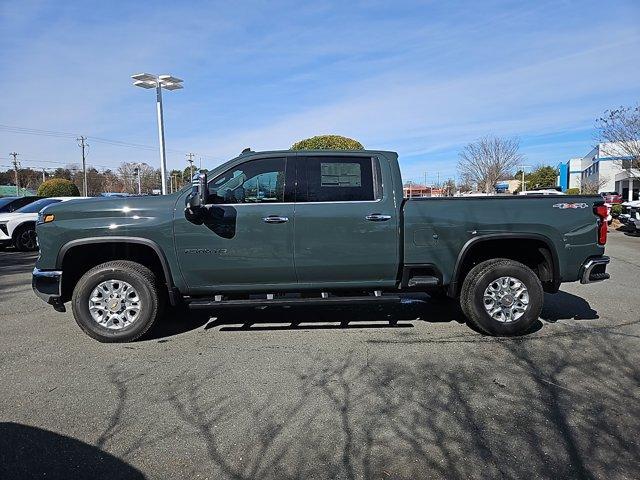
[148, 80]
[136, 172]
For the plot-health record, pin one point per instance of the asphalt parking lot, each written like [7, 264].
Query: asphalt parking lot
[326, 393]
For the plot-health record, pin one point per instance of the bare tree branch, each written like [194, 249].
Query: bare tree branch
[488, 160]
[619, 132]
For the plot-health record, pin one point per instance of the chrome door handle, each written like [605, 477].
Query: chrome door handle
[275, 219]
[377, 217]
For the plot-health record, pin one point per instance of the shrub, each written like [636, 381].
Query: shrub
[573, 191]
[616, 210]
[327, 142]
[58, 187]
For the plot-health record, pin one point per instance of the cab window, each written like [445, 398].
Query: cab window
[342, 179]
[256, 181]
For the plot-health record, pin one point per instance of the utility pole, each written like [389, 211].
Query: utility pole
[82, 144]
[15, 169]
[44, 178]
[190, 160]
[524, 184]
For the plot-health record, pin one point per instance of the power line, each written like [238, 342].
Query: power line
[53, 133]
[32, 160]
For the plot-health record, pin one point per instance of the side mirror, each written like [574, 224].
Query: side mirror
[197, 199]
[201, 190]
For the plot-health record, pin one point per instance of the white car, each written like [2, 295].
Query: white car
[18, 228]
[549, 191]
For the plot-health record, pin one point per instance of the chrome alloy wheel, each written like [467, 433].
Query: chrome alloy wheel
[506, 299]
[114, 304]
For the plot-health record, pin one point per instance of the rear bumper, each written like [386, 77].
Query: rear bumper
[595, 270]
[47, 284]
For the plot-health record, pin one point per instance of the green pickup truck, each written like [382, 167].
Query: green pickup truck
[312, 228]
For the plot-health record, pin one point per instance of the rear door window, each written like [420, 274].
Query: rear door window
[340, 179]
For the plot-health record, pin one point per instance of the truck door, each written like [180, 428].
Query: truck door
[346, 225]
[246, 241]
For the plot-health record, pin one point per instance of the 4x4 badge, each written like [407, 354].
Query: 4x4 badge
[563, 206]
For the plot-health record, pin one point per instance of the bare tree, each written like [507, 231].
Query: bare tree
[591, 186]
[149, 177]
[619, 131]
[488, 160]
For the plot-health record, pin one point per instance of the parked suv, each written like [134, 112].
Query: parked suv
[18, 228]
[11, 204]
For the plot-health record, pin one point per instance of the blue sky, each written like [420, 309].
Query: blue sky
[420, 78]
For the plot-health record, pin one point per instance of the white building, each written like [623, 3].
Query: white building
[605, 168]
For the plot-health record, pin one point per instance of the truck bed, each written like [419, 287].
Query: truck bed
[438, 230]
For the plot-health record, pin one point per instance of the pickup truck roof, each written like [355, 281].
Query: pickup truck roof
[251, 153]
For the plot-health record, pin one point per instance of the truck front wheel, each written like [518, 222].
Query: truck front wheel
[116, 301]
[501, 297]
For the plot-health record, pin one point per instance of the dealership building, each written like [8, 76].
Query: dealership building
[604, 167]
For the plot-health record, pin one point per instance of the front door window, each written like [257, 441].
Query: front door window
[256, 181]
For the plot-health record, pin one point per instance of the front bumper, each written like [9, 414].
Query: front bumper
[595, 270]
[47, 284]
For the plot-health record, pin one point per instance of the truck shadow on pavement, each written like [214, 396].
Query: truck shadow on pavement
[559, 306]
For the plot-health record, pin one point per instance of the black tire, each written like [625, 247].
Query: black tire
[24, 238]
[479, 279]
[140, 278]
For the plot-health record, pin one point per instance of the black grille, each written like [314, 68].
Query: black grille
[3, 227]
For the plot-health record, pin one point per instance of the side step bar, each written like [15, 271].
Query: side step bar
[423, 282]
[208, 303]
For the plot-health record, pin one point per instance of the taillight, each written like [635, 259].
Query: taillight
[602, 212]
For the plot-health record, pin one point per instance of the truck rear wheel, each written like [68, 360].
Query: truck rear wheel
[501, 297]
[116, 301]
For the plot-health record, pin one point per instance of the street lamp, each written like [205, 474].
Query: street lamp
[148, 80]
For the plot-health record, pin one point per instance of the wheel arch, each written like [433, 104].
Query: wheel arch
[117, 244]
[461, 267]
[20, 226]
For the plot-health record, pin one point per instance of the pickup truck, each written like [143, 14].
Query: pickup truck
[307, 228]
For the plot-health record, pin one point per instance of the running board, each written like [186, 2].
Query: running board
[207, 303]
[423, 282]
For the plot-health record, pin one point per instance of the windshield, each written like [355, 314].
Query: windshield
[6, 201]
[38, 205]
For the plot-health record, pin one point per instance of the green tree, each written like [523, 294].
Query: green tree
[542, 176]
[327, 142]
[58, 187]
